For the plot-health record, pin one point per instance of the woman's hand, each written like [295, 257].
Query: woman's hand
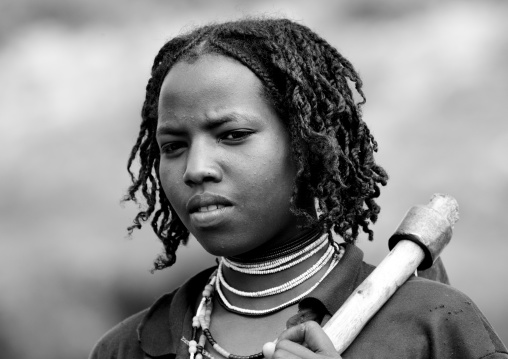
[305, 341]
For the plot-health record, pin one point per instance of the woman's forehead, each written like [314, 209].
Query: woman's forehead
[213, 87]
[210, 77]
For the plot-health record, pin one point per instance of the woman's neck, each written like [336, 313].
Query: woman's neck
[279, 249]
[309, 258]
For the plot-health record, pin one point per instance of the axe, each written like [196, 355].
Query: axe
[416, 244]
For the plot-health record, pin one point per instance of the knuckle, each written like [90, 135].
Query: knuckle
[281, 344]
[312, 325]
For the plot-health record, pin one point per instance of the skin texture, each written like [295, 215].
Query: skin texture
[219, 136]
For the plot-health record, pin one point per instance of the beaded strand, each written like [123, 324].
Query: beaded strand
[252, 312]
[284, 249]
[281, 288]
[279, 264]
[202, 319]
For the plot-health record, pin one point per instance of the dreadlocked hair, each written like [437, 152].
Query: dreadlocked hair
[306, 80]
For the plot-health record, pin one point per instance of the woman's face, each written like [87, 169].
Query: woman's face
[225, 162]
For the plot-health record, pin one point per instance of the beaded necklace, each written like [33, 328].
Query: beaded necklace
[252, 312]
[284, 249]
[278, 264]
[202, 319]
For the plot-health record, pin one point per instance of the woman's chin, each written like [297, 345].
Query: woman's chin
[222, 248]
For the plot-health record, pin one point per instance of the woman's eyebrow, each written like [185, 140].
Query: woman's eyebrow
[210, 123]
[168, 130]
[236, 117]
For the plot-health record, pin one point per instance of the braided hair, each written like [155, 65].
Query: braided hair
[306, 80]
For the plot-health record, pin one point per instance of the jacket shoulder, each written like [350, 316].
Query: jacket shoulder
[449, 318]
[123, 340]
[140, 334]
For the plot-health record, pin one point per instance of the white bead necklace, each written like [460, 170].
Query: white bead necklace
[202, 319]
[279, 264]
[284, 287]
[252, 312]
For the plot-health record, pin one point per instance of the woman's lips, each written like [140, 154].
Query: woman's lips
[210, 216]
[208, 209]
[204, 202]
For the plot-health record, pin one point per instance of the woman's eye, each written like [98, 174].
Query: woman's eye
[236, 135]
[172, 147]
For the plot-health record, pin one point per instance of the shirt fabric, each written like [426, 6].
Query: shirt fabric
[423, 319]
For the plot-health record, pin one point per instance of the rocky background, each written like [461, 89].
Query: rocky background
[72, 78]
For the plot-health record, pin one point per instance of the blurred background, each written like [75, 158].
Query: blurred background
[72, 78]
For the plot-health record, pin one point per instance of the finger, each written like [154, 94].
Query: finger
[312, 335]
[286, 348]
[284, 354]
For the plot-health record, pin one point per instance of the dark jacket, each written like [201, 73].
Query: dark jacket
[423, 319]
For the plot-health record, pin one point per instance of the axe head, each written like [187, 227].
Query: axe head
[430, 227]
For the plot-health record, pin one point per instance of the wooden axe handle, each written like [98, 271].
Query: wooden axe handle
[402, 261]
[345, 325]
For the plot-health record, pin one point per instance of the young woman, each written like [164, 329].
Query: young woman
[251, 141]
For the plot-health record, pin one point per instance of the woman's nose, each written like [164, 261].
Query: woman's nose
[202, 165]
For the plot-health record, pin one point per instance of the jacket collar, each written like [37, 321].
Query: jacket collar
[333, 291]
[169, 318]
